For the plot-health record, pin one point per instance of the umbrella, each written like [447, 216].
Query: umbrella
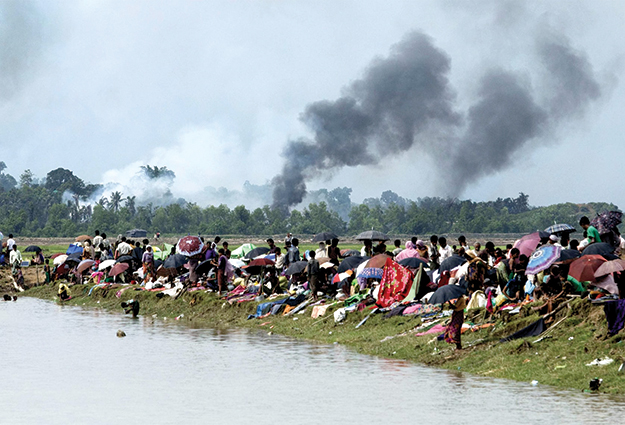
[583, 269]
[413, 262]
[296, 267]
[189, 246]
[371, 273]
[124, 258]
[71, 259]
[608, 284]
[377, 261]
[606, 221]
[106, 264]
[84, 265]
[158, 263]
[339, 277]
[610, 267]
[242, 250]
[372, 235]
[60, 259]
[164, 271]
[560, 228]
[175, 261]
[568, 255]
[598, 248]
[73, 249]
[32, 248]
[543, 258]
[118, 268]
[256, 252]
[351, 263]
[326, 265]
[53, 256]
[349, 252]
[322, 260]
[447, 293]
[451, 263]
[82, 238]
[324, 236]
[261, 262]
[236, 263]
[528, 243]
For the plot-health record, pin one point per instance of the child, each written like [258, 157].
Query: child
[131, 305]
[453, 332]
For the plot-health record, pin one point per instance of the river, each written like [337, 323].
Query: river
[65, 365]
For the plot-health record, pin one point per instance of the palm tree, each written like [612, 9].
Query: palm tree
[130, 204]
[115, 201]
[103, 202]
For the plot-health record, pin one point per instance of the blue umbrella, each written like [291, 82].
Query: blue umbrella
[413, 262]
[560, 228]
[371, 273]
[543, 258]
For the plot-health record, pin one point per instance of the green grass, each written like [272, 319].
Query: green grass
[557, 361]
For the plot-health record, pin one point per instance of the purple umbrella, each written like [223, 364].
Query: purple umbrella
[543, 258]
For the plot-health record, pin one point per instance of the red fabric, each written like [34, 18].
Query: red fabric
[395, 285]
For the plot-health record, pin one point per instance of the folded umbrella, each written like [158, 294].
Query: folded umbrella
[543, 258]
[584, 268]
[324, 236]
[351, 263]
[118, 268]
[189, 246]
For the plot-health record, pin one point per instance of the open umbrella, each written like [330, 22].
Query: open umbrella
[568, 255]
[204, 267]
[561, 228]
[339, 277]
[372, 235]
[451, 263]
[447, 293]
[371, 273]
[584, 268]
[73, 249]
[72, 260]
[256, 252]
[106, 264]
[377, 261]
[236, 263]
[322, 260]
[53, 256]
[324, 236]
[84, 265]
[351, 263]
[242, 250]
[189, 246]
[118, 268]
[296, 267]
[261, 262]
[82, 238]
[610, 267]
[349, 252]
[606, 221]
[60, 259]
[124, 259]
[413, 262]
[598, 248]
[607, 283]
[32, 248]
[175, 261]
[543, 258]
[528, 243]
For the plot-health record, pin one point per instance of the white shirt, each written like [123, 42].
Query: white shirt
[445, 253]
[97, 241]
[321, 252]
[10, 243]
[15, 255]
[123, 248]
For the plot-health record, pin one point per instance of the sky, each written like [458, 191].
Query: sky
[216, 91]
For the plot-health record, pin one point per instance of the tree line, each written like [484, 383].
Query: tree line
[29, 207]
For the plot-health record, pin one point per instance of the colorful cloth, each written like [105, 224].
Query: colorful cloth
[453, 331]
[419, 309]
[395, 285]
[437, 329]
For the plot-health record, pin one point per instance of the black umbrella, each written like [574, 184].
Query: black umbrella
[204, 267]
[599, 248]
[75, 256]
[173, 261]
[451, 263]
[351, 263]
[256, 252]
[542, 234]
[32, 248]
[71, 259]
[124, 258]
[413, 262]
[372, 235]
[324, 236]
[296, 267]
[569, 254]
[349, 253]
[157, 264]
[446, 293]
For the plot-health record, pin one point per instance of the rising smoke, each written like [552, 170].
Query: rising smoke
[404, 104]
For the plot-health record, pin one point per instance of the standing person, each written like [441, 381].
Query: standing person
[97, 239]
[293, 254]
[398, 247]
[367, 249]
[15, 259]
[272, 246]
[279, 260]
[123, 248]
[322, 251]
[289, 238]
[462, 241]
[453, 332]
[148, 264]
[227, 252]
[221, 272]
[445, 250]
[313, 275]
[591, 231]
[10, 243]
[215, 242]
[334, 252]
[433, 253]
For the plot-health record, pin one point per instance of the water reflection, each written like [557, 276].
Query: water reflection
[166, 373]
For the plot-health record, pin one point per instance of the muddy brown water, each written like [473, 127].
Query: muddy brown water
[65, 365]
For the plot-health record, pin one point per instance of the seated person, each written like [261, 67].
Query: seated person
[64, 292]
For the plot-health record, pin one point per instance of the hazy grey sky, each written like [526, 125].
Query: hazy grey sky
[214, 89]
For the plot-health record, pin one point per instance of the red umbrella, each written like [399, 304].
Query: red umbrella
[584, 268]
[189, 246]
[260, 262]
[528, 243]
[82, 238]
[377, 261]
[118, 268]
[56, 255]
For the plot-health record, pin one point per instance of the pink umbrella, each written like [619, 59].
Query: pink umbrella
[189, 246]
[84, 265]
[528, 243]
[118, 268]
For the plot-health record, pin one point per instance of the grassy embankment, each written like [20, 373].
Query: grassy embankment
[558, 360]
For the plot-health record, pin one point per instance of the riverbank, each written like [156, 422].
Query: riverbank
[558, 360]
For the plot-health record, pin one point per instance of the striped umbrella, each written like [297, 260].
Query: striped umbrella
[543, 258]
[560, 228]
